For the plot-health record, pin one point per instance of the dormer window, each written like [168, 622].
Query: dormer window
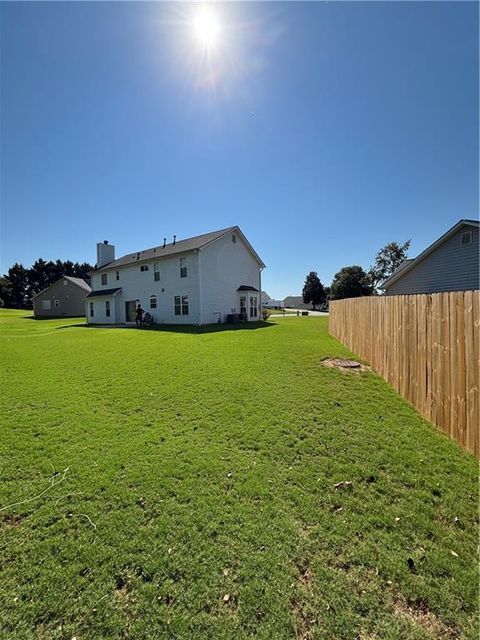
[466, 238]
[104, 278]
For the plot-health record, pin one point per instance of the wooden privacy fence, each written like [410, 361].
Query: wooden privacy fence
[427, 347]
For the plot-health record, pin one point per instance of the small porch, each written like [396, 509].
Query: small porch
[101, 306]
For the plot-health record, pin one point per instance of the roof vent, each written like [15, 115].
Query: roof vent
[105, 242]
[164, 242]
[174, 239]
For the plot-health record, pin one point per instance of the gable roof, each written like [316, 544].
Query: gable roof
[76, 281]
[79, 282]
[180, 246]
[409, 264]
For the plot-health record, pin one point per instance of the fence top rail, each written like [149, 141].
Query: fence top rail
[405, 295]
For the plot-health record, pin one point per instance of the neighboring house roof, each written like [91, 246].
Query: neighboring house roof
[104, 292]
[245, 287]
[77, 281]
[180, 246]
[408, 265]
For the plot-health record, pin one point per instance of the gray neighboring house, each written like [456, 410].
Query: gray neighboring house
[451, 263]
[295, 302]
[65, 297]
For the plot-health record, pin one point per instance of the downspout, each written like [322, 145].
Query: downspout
[200, 285]
[260, 289]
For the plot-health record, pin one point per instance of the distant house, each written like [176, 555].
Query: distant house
[273, 304]
[451, 263]
[295, 302]
[65, 297]
[206, 279]
[265, 297]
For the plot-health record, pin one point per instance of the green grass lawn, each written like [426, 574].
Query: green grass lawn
[182, 484]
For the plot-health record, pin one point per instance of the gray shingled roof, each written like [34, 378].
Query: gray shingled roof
[79, 282]
[104, 292]
[180, 246]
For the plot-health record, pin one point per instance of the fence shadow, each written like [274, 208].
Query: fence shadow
[178, 328]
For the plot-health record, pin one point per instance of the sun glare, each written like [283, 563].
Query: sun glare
[206, 27]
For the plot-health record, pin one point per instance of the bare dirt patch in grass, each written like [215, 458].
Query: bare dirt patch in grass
[421, 616]
[351, 366]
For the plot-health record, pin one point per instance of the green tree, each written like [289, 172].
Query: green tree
[313, 291]
[16, 290]
[351, 282]
[387, 260]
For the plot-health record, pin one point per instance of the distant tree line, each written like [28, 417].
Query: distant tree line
[354, 281]
[20, 283]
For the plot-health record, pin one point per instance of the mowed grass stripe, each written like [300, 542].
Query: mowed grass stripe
[200, 497]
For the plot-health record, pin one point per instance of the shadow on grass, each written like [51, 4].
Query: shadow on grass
[40, 318]
[179, 328]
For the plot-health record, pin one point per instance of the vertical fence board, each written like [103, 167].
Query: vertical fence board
[427, 347]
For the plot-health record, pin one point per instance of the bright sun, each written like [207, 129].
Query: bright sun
[206, 27]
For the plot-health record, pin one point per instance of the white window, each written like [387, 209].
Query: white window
[65, 282]
[253, 307]
[104, 278]
[466, 237]
[107, 308]
[243, 305]
[156, 272]
[46, 305]
[153, 302]
[91, 310]
[183, 267]
[144, 267]
[57, 303]
[117, 275]
[181, 305]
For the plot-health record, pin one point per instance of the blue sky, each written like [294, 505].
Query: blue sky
[324, 130]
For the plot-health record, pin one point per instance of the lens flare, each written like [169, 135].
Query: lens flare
[206, 27]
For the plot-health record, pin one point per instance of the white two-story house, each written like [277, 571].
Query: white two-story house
[201, 280]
